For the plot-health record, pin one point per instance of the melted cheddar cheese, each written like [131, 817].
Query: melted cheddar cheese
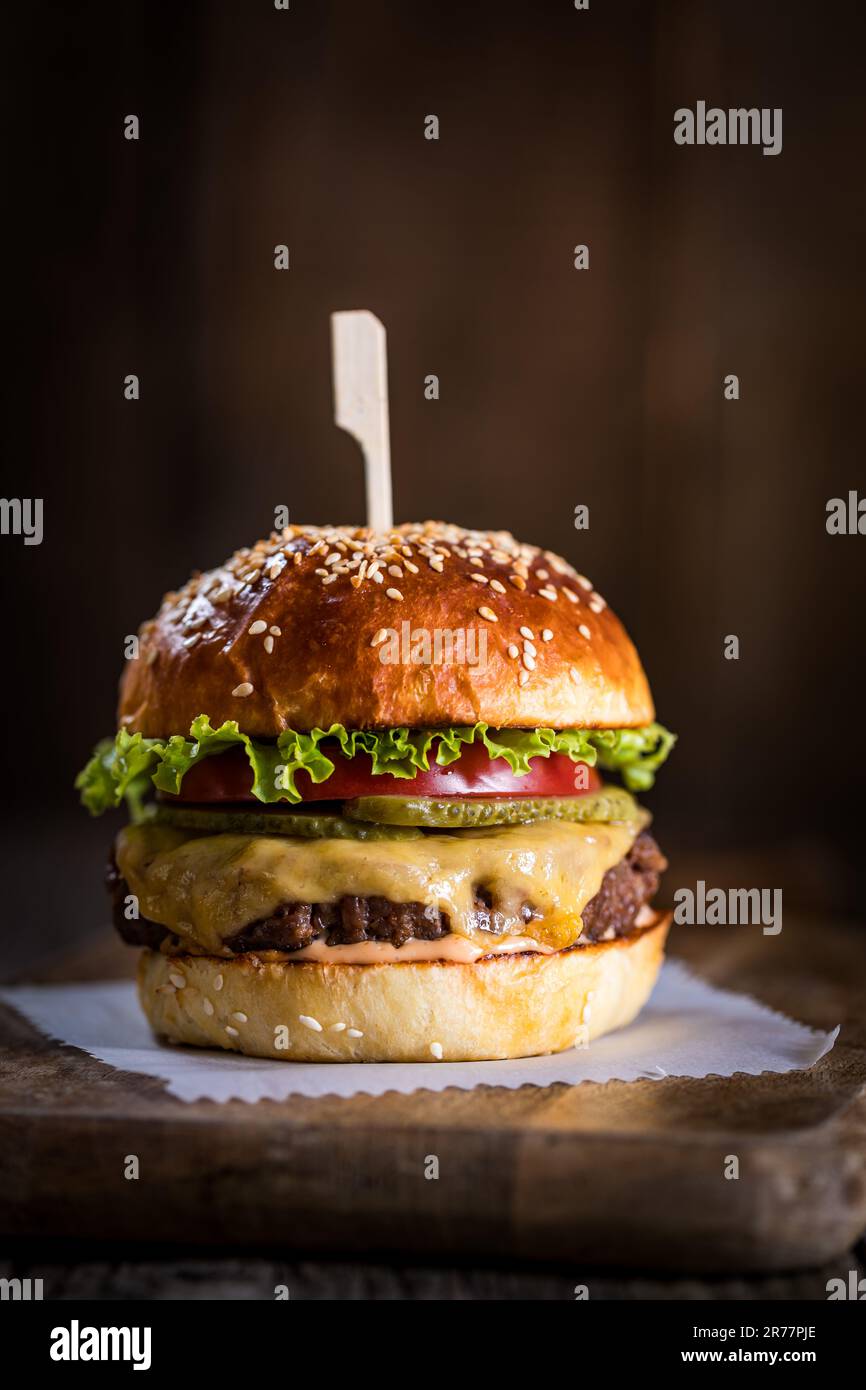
[204, 889]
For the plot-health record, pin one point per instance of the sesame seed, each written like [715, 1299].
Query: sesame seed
[354, 1033]
[379, 637]
[596, 604]
[529, 661]
[547, 635]
[407, 564]
[395, 571]
[331, 579]
[191, 641]
[274, 570]
[571, 595]
[488, 613]
[218, 982]
[575, 674]
[243, 690]
[269, 644]
[208, 1007]
[378, 576]
[517, 581]
[583, 581]
[179, 981]
[240, 1018]
[499, 588]
[337, 1028]
[527, 632]
[232, 1032]
[523, 677]
[530, 649]
[321, 573]
[549, 594]
[394, 594]
[584, 631]
[437, 1049]
[308, 1022]
[542, 574]
[513, 651]
[478, 578]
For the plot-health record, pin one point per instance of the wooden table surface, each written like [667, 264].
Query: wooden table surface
[537, 1186]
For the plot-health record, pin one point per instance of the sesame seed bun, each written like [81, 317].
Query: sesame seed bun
[291, 634]
[501, 1006]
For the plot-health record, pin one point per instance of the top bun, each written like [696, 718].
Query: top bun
[306, 629]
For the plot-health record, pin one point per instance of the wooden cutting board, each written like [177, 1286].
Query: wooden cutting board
[622, 1174]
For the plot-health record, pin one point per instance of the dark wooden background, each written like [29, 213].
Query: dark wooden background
[557, 387]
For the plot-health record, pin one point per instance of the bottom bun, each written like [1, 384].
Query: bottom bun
[500, 1006]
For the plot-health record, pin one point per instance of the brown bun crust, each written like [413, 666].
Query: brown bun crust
[502, 1006]
[324, 667]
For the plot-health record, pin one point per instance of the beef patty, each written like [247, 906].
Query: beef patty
[624, 890]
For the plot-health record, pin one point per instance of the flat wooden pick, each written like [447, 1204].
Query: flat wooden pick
[360, 366]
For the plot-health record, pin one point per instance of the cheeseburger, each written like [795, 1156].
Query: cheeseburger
[381, 794]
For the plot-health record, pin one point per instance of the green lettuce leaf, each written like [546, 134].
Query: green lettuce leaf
[133, 765]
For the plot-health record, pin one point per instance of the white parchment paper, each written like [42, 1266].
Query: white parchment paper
[689, 1028]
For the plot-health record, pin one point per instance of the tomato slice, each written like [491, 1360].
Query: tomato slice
[227, 777]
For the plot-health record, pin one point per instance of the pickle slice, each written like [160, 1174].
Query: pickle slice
[312, 825]
[461, 813]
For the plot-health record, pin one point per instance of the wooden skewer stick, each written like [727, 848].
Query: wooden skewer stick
[360, 366]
